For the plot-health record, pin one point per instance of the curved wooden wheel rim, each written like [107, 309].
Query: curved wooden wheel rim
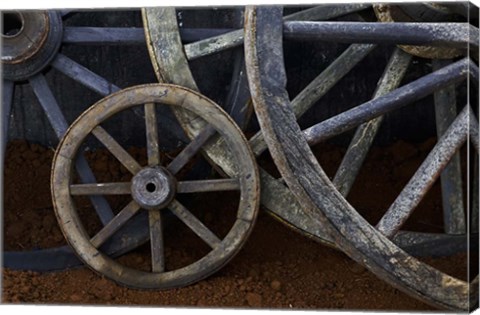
[171, 65]
[59, 258]
[176, 97]
[170, 62]
[307, 180]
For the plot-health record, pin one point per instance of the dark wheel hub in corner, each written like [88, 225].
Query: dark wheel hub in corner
[30, 40]
[153, 188]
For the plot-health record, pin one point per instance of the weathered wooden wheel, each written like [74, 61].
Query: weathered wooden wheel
[170, 59]
[323, 200]
[171, 62]
[154, 187]
[32, 45]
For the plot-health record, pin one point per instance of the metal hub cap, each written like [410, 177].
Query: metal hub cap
[153, 188]
[30, 40]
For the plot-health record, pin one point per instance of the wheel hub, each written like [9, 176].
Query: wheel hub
[153, 188]
[30, 40]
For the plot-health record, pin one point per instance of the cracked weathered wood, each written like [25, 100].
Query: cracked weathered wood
[457, 35]
[101, 189]
[316, 89]
[171, 66]
[425, 176]
[103, 35]
[307, 180]
[83, 76]
[365, 134]
[197, 186]
[117, 150]
[275, 197]
[234, 39]
[60, 126]
[115, 224]
[156, 241]
[452, 74]
[246, 181]
[451, 178]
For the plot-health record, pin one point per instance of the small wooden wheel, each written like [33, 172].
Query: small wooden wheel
[154, 188]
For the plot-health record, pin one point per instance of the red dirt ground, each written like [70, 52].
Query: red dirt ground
[277, 267]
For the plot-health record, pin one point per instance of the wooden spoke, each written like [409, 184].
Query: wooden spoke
[425, 176]
[104, 35]
[156, 241]
[7, 98]
[115, 224]
[311, 185]
[100, 189]
[320, 86]
[458, 35]
[116, 149]
[451, 177]
[81, 35]
[474, 72]
[194, 224]
[473, 129]
[233, 39]
[83, 76]
[154, 191]
[60, 125]
[153, 152]
[406, 94]
[208, 185]
[49, 104]
[365, 134]
[191, 149]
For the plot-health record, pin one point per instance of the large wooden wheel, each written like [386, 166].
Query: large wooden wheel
[170, 58]
[321, 199]
[155, 187]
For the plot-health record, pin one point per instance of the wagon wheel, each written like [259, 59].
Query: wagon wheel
[170, 60]
[368, 245]
[31, 46]
[154, 188]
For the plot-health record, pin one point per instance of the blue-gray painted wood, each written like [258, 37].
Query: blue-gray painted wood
[60, 126]
[451, 178]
